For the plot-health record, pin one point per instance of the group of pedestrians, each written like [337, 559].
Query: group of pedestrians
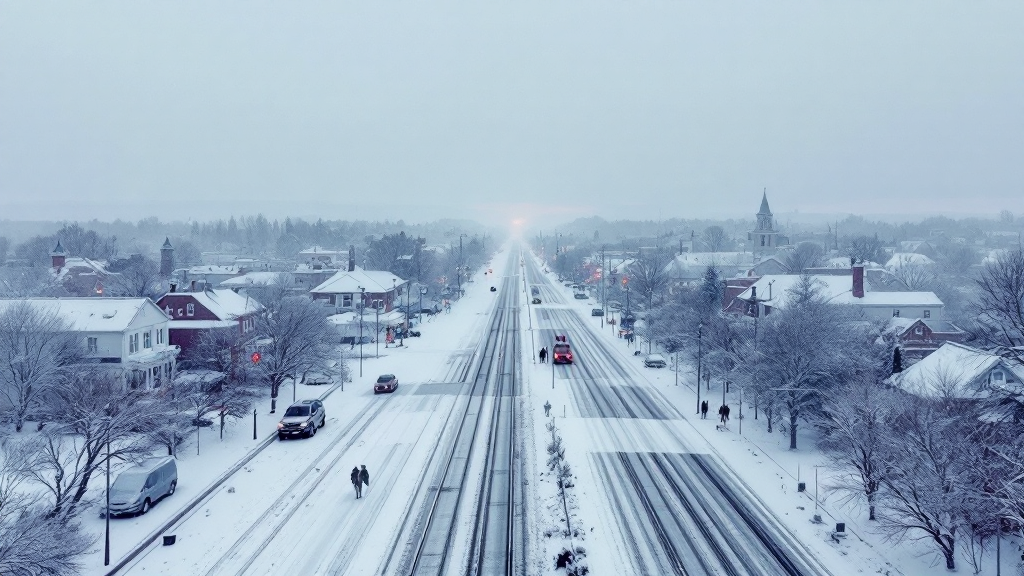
[723, 412]
[360, 477]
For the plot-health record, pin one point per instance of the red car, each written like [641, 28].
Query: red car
[561, 354]
[386, 383]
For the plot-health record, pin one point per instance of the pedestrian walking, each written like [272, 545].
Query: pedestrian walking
[543, 355]
[721, 413]
[726, 420]
[704, 410]
[357, 482]
[547, 408]
[364, 477]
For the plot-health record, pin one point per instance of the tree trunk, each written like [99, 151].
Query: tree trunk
[947, 546]
[274, 387]
[792, 430]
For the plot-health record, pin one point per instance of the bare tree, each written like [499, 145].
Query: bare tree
[136, 276]
[714, 238]
[956, 258]
[30, 542]
[866, 249]
[27, 281]
[1000, 304]
[854, 424]
[928, 477]
[92, 411]
[804, 349]
[294, 338]
[648, 276]
[805, 255]
[36, 350]
[916, 276]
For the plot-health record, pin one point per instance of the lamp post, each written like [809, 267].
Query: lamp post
[362, 302]
[106, 515]
[407, 296]
[458, 270]
[377, 327]
[423, 290]
[700, 334]
[394, 289]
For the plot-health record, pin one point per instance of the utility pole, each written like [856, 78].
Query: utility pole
[604, 283]
[362, 301]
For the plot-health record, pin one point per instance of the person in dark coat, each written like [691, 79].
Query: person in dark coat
[727, 410]
[543, 355]
[704, 410]
[721, 413]
[357, 482]
[364, 477]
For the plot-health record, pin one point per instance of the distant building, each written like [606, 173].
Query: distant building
[80, 276]
[166, 259]
[765, 238]
[354, 287]
[960, 372]
[919, 337]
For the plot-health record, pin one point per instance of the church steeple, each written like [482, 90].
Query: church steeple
[764, 236]
[764, 204]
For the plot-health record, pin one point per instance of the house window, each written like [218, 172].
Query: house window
[190, 309]
[332, 299]
[997, 376]
[762, 240]
[919, 331]
[147, 339]
[927, 313]
[895, 312]
[133, 343]
[346, 301]
[379, 304]
[160, 336]
[92, 343]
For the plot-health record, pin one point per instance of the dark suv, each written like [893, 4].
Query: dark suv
[302, 419]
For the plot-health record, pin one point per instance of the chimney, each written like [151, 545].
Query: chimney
[858, 280]
[174, 286]
[753, 293]
[192, 287]
[351, 257]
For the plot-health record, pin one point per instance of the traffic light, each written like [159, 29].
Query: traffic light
[625, 280]
[256, 357]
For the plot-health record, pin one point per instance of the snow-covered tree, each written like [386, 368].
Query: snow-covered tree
[294, 337]
[1000, 304]
[31, 543]
[90, 410]
[36, 351]
[647, 275]
[805, 255]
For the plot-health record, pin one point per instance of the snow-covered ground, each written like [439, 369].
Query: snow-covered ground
[291, 509]
[762, 461]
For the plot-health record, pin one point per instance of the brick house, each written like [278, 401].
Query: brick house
[919, 337]
[193, 313]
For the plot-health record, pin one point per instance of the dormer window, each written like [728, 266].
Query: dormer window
[895, 312]
[997, 376]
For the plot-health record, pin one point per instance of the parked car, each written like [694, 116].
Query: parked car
[493, 289]
[386, 383]
[561, 353]
[535, 300]
[139, 487]
[655, 361]
[302, 419]
[414, 333]
[580, 295]
[596, 312]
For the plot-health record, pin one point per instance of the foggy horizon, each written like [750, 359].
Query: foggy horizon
[538, 111]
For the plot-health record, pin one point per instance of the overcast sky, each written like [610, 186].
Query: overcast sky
[497, 109]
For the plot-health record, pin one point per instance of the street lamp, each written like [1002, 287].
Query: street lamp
[458, 269]
[362, 302]
[376, 337]
[106, 515]
[423, 290]
[700, 334]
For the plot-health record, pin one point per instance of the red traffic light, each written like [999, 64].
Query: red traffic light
[625, 280]
[256, 357]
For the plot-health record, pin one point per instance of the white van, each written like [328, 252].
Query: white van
[138, 487]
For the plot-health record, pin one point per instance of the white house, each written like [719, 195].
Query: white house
[960, 372]
[343, 291]
[128, 334]
[773, 292]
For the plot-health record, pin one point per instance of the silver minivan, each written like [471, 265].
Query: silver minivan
[138, 487]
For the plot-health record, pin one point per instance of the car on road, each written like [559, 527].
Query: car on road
[561, 353]
[493, 289]
[535, 300]
[302, 419]
[386, 383]
[580, 295]
[655, 361]
[140, 486]
[597, 312]
[534, 291]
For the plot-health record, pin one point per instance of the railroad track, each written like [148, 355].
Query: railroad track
[490, 406]
[683, 499]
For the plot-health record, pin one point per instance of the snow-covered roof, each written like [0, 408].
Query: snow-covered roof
[201, 324]
[223, 303]
[908, 259]
[952, 369]
[252, 279]
[90, 314]
[691, 264]
[212, 269]
[83, 267]
[320, 250]
[773, 290]
[346, 282]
